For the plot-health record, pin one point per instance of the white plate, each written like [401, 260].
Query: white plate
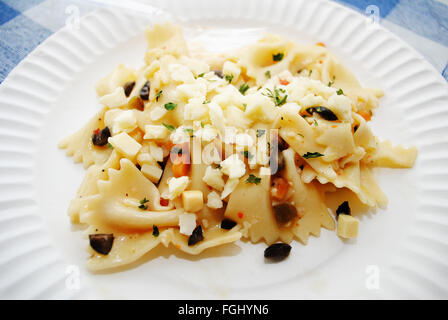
[51, 93]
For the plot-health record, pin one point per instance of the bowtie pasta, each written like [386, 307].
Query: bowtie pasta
[198, 150]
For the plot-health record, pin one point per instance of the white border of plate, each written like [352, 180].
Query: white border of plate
[31, 265]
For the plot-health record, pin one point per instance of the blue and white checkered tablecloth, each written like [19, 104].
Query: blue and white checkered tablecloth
[24, 24]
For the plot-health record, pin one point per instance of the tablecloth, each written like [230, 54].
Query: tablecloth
[24, 24]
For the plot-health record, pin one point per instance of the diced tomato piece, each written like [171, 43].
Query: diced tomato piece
[367, 115]
[180, 157]
[283, 82]
[164, 202]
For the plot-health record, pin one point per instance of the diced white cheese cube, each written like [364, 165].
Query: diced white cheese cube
[260, 107]
[176, 186]
[229, 187]
[233, 166]
[210, 154]
[231, 68]
[152, 171]
[125, 121]
[292, 107]
[157, 112]
[213, 177]
[156, 152]
[208, 133]
[228, 96]
[230, 135]
[125, 144]
[155, 132]
[347, 226]
[192, 200]
[341, 106]
[311, 100]
[216, 116]
[244, 140]
[145, 157]
[193, 90]
[114, 99]
[264, 171]
[187, 223]
[214, 200]
[180, 135]
[195, 109]
[110, 116]
[234, 116]
[180, 73]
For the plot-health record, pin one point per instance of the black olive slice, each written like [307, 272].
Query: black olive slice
[227, 224]
[279, 142]
[276, 162]
[144, 91]
[344, 208]
[100, 138]
[196, 236]
[277, 251]
[284, 213]
[102, 242]
[128, 86]
[325, 113]
[219, 73]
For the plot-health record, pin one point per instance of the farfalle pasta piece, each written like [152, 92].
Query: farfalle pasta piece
[309, 203]
[129, 247]
[117, 203]
[79, 145]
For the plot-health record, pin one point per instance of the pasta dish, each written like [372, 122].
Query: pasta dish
[195, 150]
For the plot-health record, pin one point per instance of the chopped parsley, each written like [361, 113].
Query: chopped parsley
[244, 106]
[158, 94]
[315, 123]
[253, 179]
[268, 74]
[170, 106]
[202, 124]
[339, 92]
[278, 56]
[260, 132]
[155, 231]
[243, 88]
[201, 75]
[168, 126]
[310, 155]
[206, 101]
[228, 77]
[109, 146]
[276, 96]
[247, 154]
[142, 204]
[309, 74]
[331, 82]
